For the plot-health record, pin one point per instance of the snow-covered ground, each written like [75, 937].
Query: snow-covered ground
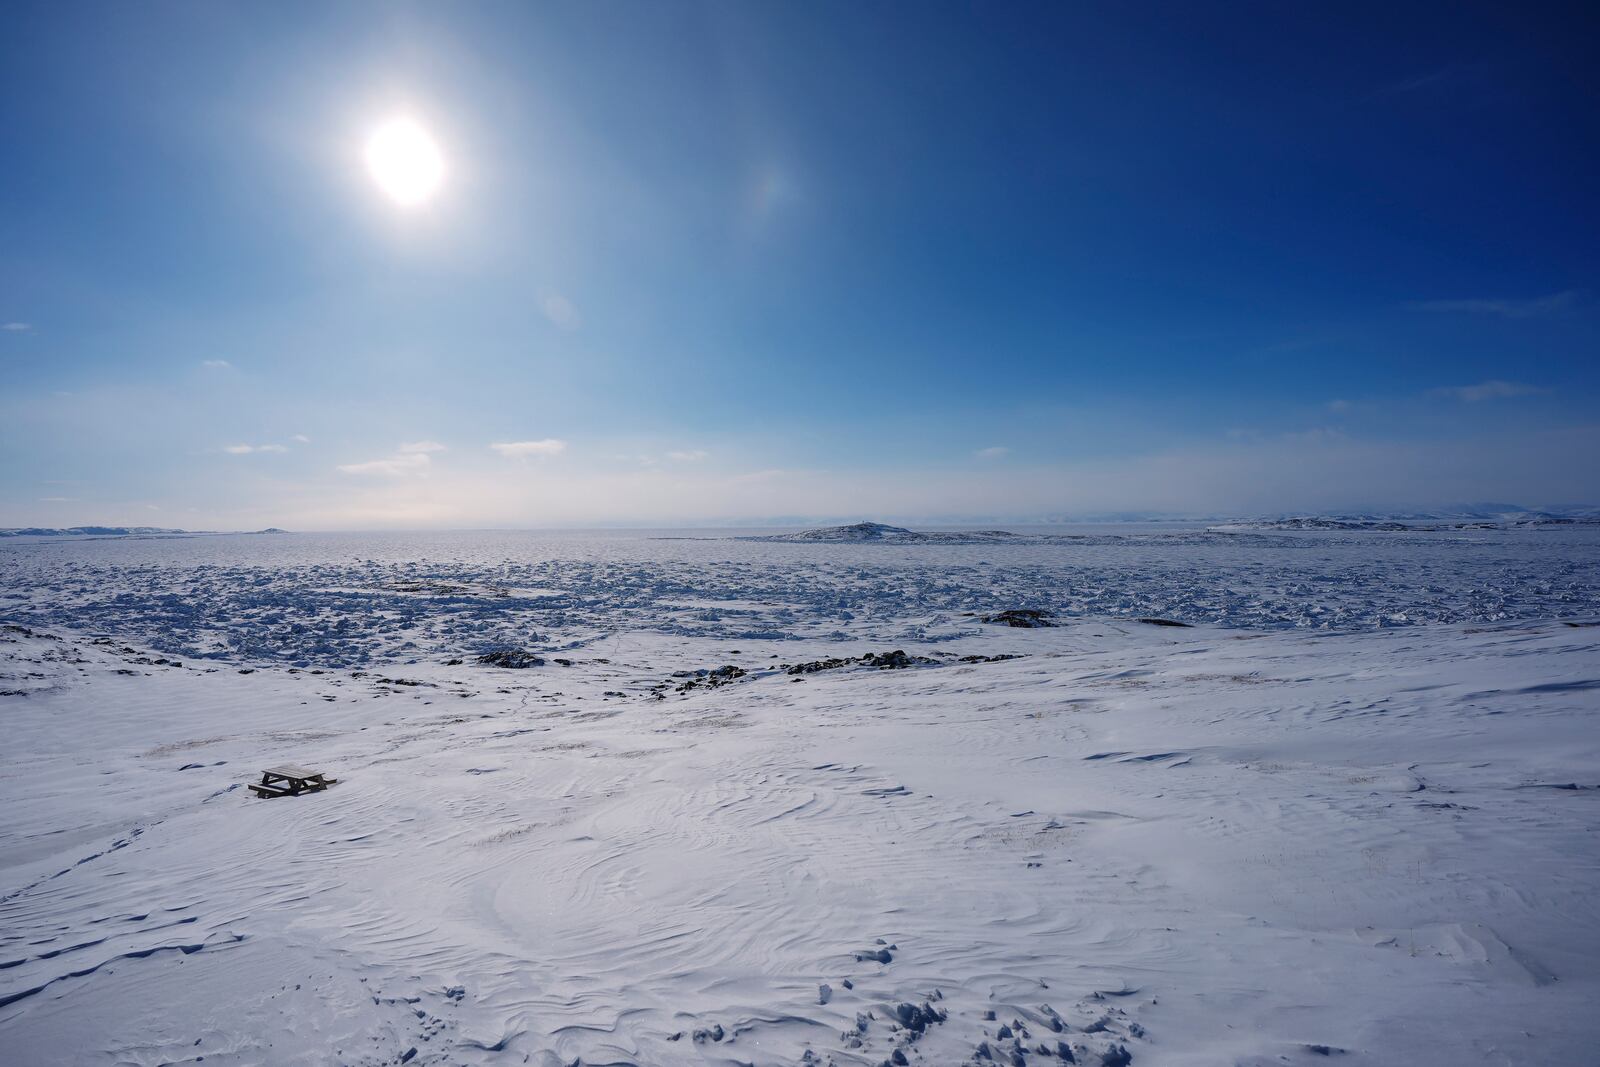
[350, 600]
[1352, 814]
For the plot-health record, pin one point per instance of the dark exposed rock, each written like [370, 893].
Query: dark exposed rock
[1163, 622]
[23, 631]
[896, 660]
[709, 679]
[1025, 618]
[818, 665]
[918, 1019]
[511, 658]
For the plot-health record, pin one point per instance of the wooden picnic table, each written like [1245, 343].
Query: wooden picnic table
[287, 781]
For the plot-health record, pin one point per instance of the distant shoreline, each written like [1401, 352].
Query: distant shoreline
[96, 533]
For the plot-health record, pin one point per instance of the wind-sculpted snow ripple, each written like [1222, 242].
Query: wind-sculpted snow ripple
[1256, 845]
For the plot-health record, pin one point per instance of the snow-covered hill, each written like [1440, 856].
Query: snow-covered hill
[109, 531]
[877, 532]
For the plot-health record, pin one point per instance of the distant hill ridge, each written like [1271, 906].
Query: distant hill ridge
[877, 532]
[1481, 517]
[117, 531]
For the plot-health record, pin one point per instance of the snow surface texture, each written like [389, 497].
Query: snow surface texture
[675, 842]
[347, 600]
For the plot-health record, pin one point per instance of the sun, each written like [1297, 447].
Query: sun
[405, 161]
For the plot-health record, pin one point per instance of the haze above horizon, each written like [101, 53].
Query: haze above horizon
[408, 265]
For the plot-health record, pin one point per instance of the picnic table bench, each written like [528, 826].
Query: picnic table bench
[290, 782]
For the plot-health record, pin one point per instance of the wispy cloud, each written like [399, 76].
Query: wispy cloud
[17, 327]
[561, 311]
[217, 364]
[993, 452]
[300, 438]
[58, 500]
[1315, 436]
[393, 467]
[1506, 308]
[418, 447]
[1413, 83]
[245, 450]
[550, 446]
[690, 455]
[1490, 390]
[1339, 407]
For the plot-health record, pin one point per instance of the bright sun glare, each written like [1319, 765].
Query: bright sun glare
[405, 161]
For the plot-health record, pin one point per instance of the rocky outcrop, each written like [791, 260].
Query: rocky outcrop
[712, 679]
[511, 658]
[1024, 618]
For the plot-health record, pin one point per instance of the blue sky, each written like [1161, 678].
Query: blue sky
[706, 262]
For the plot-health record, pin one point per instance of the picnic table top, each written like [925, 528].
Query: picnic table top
[298, 773]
